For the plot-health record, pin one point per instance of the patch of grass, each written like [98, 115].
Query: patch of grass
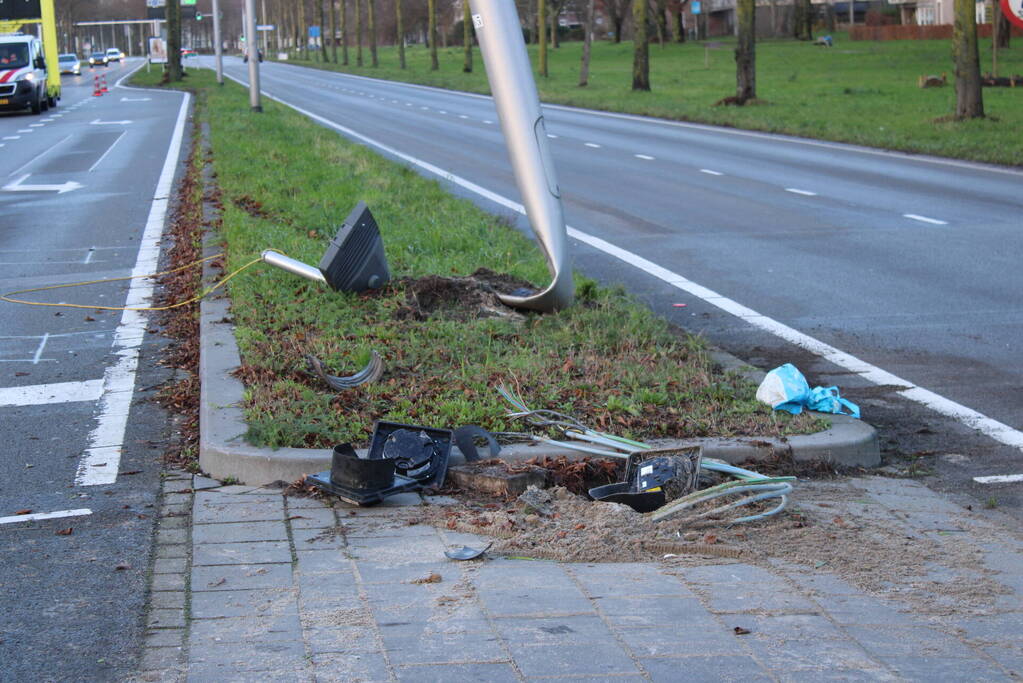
[287, 183]
[861, 92]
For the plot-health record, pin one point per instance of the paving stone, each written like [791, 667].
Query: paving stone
[176, 565]
[240, 577]
[341, 639]
[167, 600]
[1010, 658]
[164, 637]
[707, 637]
[445, 642]
[256, 552]
[201, 483]
[168, 582]
[944, 669]
[220, 673]
[220, 513]
[627, 579]
[273, 656]
[158, 658]
[553, 630]
[699, 668]
[883, 641]
[820, 584]
[221, 604]
[995, 629]
[318, 539]
[222, 496]
[820, 655]
[844, 675]
[493, 672]
[527, 600]
[507, 574]
[239, 532]
[244, 490]
[179, 510]
[174, 486]
[595, 659]
[178, 499]
[311, 518]
[174, 522]
[171, 536]
[743, 587]
[795, 626]
[247, 629]
[317, 591]
[171, 551]
[863, 610]
[630, 612]
[346, 668]
[331, 561]
[363, 533]
[298, 503]
[166, 618]
[389, 573]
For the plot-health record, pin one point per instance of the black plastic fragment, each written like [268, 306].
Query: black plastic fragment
[465, 439]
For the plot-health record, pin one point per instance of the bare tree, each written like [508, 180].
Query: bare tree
[641, 46]
[303, 30]
[584, 70]
[371, 26]
[333, 30]
[1000, 27]
[616, 10]
[358, 32]
[554, 9]
[174, 72]
[467, 37]
[323, 30]
[432, 19]
[541, 25]
[400, 32]
[745, 52]
[661, 20]
[344, 32]
[969, 101]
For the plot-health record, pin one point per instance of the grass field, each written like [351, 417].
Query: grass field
[859, 92]
[287, 183]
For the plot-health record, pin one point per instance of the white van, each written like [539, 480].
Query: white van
[23, 74]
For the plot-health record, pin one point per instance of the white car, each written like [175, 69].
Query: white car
[114, 55]
[69, 64]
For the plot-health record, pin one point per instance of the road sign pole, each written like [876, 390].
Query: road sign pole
[252, 49]
[218, 47]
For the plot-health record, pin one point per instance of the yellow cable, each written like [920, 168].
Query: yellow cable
[210, 290]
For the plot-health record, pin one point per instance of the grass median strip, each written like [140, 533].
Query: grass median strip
[446, 342]
[861, 92]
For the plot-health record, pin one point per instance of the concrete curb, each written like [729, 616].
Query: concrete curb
[224, 452]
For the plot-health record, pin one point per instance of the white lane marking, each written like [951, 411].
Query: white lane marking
[45, 394]
[45, 515]
[593, 145]
[2, 144]
[39, 350]
[26, 130]
[93, 167]
[992, 428]
[49, 120]
[97, 122]
[488, 122]
[17, 186]
[424, 108]
[88, 255]
[100, 461]
[36, 125]
[134, 99]
[644, 156]
[442, 111]
[924, 219]
[38, 157]
[710, 172]
[796, 190]
[12, 137]
[408, 104]
[999, 479]
[462, 116]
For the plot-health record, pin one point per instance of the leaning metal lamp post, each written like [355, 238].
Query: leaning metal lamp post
[518, 108]
[252, 48]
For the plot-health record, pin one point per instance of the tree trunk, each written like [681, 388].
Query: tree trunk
[617, 21]
[333, 30]
[466, 37]
[432, 10]
[303, 30]
[323, 31]
[584, 70]
[173, 14]
[1003, 27]
[553, 19]
[641, 46]
[677, 28]
[661, 20]
[969, 101]
[372, 27]
[531, 22]
[541, 24]
[808, 16]
[344, 32]
[746, 52]
[358, 32]
[400, 30]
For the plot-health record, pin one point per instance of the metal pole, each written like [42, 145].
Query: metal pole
[266, 34]
[252, 49]
[518, 107]
[218, 51]
[275, 258]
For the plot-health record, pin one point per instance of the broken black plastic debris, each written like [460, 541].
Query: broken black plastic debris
[421, 453]
[465, 439]
[653, 478]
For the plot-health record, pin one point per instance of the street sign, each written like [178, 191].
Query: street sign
[314, 31]
[695, 7]
[266, 27]
[1013, 10]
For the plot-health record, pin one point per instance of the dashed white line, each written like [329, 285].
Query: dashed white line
[57, 392]
[924, 219]
[796, 190]
[12, 137]
[462, 116]
[98, 161]
[710, 172]
[647, 157]
[552, 136]
[593, 145]
[442, 111]
[26, 130]
[425, 108]
[36, 125]
[999, 479]
[488, 122]
[45, 515]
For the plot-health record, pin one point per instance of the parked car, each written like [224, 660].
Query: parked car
[188, 52]
[114, 54]
[69, 64]
[98, 59]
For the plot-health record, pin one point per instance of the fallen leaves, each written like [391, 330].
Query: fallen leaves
[26, 511]
[64, 532]
[432, 577]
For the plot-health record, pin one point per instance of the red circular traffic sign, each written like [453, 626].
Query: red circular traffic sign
[1013, 9]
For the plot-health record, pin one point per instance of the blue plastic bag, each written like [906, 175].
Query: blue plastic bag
[785, 388]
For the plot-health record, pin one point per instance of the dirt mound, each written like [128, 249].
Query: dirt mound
[458, 298]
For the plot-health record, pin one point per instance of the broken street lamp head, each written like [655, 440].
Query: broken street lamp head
[354, 261]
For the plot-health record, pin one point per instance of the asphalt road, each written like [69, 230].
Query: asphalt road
[79, 432]
[908, 264]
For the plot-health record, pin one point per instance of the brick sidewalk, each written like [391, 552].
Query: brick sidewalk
[250, 585]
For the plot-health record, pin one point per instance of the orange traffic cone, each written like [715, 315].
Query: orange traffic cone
[104, 77]
[96, 91]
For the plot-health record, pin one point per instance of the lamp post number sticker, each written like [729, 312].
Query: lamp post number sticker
[477, 21]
